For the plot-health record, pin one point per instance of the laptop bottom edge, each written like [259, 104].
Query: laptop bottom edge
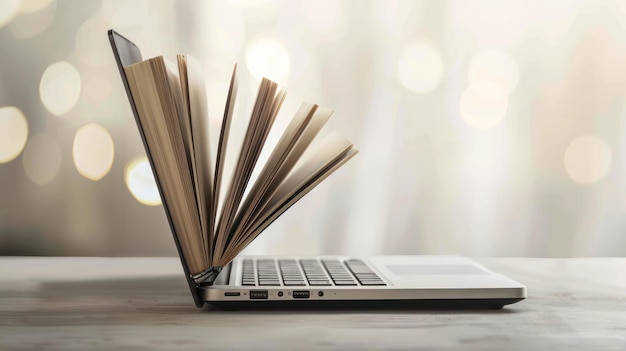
[372, 305]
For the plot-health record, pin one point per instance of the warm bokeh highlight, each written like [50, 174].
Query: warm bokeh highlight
[484, 127]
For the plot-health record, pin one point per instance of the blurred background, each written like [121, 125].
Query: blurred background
[484, 127]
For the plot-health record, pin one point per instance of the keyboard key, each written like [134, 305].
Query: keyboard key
[369, 278]
[358, 269]
[373, 282]
[317, 278]
[345, 282]
[294, 283]
[269, 282]
[319, 282]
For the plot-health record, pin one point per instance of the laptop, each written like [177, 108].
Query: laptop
[336, 281]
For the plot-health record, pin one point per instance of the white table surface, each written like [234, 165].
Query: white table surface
[144, 303]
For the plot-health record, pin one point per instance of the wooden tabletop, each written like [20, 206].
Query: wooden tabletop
[144, 303]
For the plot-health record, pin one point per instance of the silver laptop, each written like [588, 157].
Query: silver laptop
[337, 281]
[378, 281]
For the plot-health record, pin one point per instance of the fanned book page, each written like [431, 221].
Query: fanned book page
[173, 113]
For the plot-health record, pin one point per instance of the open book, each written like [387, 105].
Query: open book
[171, 106]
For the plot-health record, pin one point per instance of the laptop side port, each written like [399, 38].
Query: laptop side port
[258, 294]
[301, 294]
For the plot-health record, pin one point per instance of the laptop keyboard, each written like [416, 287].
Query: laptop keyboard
[311, 272]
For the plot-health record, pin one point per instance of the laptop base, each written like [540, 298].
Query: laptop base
[371, 305]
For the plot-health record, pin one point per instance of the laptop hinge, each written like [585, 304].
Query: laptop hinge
[207, 277]
[215, 275]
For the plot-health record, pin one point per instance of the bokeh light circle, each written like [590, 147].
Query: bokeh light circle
[587, 159]
[140, 181]
[93, 48]
[13, 133]
[8, 10]
[42, 159]
[93, 151]
[496, 67]
[483, 104]
[35, 17]
[60, 87]
[30, 6]
[268, 58]
[420, 68]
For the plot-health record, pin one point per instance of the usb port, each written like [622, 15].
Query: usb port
[302, 294]
[258, 294]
